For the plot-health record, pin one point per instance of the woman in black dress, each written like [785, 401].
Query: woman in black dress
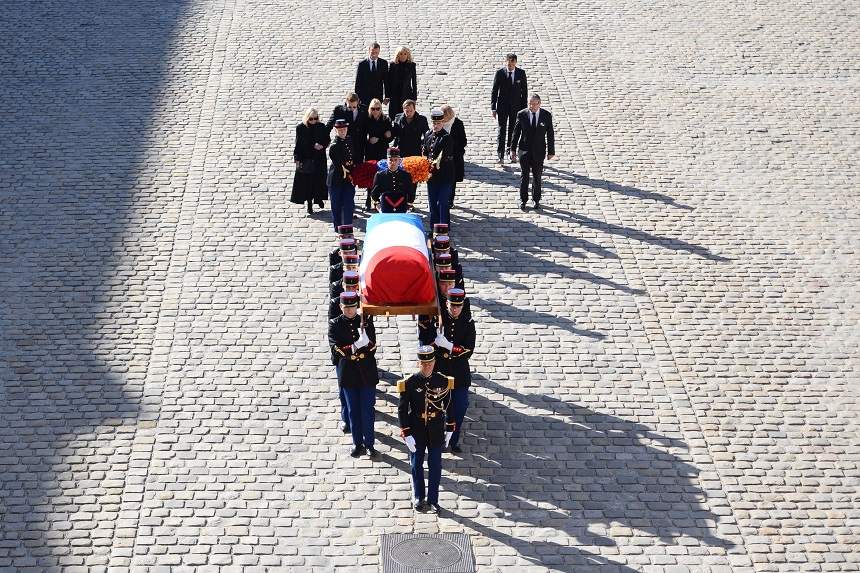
[378, 131]
[454, 126]
[401, 83]
[312, 138]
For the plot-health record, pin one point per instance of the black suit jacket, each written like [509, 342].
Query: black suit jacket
[367, 85]
[342, 111]
[540, 141]
[507, 97]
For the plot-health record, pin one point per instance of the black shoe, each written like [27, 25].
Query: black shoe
[537, 206]
[501, 159]
[310, 209]
[344, 427]
[456, 450]
[419, 505]
[523, 206]
[320, 204]
[358, 451]
[367, 204]
[434, 508]
[373, 454]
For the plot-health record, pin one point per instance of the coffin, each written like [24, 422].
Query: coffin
[396, 273]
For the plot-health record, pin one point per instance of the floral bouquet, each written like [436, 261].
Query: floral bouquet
[418, 168]
[362, 174]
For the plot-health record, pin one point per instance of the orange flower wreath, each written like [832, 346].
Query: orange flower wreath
[418, 167]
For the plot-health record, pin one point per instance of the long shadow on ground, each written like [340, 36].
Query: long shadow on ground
[80, 84]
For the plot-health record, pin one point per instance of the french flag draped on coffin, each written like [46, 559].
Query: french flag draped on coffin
[395, 265]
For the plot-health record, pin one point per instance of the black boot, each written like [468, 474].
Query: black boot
[310, 208]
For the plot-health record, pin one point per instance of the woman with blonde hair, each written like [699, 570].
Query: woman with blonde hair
[378, 131]
[454, 126]
[401, 83]
[309, 182]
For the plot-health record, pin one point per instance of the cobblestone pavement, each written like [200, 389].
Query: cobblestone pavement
[668, 353]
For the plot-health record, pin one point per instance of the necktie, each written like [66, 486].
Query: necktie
[511, 76]
[372, 66]
[534, 119]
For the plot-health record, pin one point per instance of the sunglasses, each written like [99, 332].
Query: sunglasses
[376, 109]
[313, 119]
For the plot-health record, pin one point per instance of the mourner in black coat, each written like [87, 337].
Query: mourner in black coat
[370, 76]
[409, 128]
[508, 97]
[401, 82]
[454, 126]
[377, 128]
[534, 140]
[309, 182]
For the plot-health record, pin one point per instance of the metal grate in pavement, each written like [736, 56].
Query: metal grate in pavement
[414, 553]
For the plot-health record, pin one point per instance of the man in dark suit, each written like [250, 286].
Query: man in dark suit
[508, 98]
[533, 139]
[370, 76]
[355, 116]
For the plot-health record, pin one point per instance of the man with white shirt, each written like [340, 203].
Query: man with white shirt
[507, 98]
[533, 140]
[370, 76]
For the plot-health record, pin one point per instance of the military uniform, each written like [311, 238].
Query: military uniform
[335, 272]
[392, 190]
[357, 373]
[445, 262]
[341, 190]
[349, 282]
[438, 147]
[442, 244]
[454, 362]
[425, 416]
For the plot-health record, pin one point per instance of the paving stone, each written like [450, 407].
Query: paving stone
[663, 378]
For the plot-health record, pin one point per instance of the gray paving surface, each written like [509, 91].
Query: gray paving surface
[667, 370]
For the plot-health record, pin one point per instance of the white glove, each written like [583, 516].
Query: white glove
[443, 342]
[410, 443]
[448, 437]
[362, 341]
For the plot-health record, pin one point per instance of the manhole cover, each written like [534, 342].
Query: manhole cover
[408, 553]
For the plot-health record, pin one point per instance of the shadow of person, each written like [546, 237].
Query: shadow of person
[81, 274]
[497, 175]
[509, 313]
[634, 234]
[502, 240]
[577, 470]
[555, 173]
[557, 557]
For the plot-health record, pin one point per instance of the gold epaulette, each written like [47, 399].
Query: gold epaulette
[450, 382]
[401, 385]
